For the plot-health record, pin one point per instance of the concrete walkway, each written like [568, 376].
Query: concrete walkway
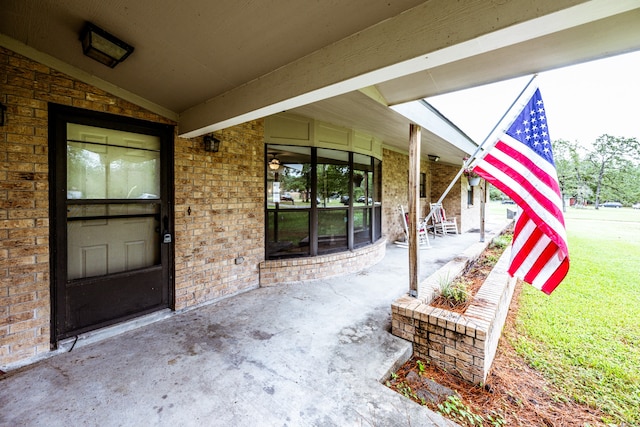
[302, 354]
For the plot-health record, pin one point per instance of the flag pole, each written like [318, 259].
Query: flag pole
[467, 162]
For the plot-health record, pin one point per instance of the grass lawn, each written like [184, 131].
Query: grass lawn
[585, 336]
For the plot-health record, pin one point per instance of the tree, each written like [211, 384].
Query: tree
[611, 155]
[564, 158]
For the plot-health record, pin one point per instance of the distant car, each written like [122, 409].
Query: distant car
[344, 200]
[361, 199]
[636, 206]
[612, 204]
[508, 202]
[286, 197]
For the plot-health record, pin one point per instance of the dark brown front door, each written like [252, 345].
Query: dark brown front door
[112, 231]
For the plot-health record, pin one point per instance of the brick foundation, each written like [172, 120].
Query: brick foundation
[301, 269]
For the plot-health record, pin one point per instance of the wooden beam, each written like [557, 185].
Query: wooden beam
[434, 33]
[414, 201]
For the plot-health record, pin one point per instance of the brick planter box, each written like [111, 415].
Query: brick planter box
[463, 344]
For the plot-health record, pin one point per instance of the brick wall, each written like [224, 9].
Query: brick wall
[224, 191]
[441, 176]
[301, 269]
[395, 177]
[395, 191]
[455, 204]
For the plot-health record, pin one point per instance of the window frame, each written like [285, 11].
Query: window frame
[373, 209]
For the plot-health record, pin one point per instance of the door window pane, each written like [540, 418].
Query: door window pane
[106, 164]
[110, 164]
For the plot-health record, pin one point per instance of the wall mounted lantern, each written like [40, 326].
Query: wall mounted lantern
[103, 47]
[3, 108]
[433, 157]
[211, 143]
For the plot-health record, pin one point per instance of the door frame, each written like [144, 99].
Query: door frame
[59, 116]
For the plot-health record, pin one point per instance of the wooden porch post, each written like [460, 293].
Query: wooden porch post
[414, 201]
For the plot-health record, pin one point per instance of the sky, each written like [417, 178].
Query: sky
[582, 101]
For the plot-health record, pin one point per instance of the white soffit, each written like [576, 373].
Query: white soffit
[424, 115]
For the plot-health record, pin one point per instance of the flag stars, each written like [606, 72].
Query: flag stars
[530, 126]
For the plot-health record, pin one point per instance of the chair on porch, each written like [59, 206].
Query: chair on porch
[440, 223]
[423, 238]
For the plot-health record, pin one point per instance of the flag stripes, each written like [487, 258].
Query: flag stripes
[529, 188]
[520, 164]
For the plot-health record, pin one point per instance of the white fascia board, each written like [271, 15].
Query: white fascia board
[419, 113]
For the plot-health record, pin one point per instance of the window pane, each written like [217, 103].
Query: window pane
[288, 177]
[290, 183]
[361, 225]
[362, 180]
[333, 178]
[287, 233]
[332, 230]
[108, 164]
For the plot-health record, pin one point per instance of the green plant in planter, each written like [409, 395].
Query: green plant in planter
[502, 241]
[455, 292]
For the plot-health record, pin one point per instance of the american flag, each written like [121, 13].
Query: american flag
[520, 164]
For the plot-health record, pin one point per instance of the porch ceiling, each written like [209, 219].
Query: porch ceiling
[210, 65]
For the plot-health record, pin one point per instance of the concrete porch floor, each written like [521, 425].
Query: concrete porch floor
[301, 354]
